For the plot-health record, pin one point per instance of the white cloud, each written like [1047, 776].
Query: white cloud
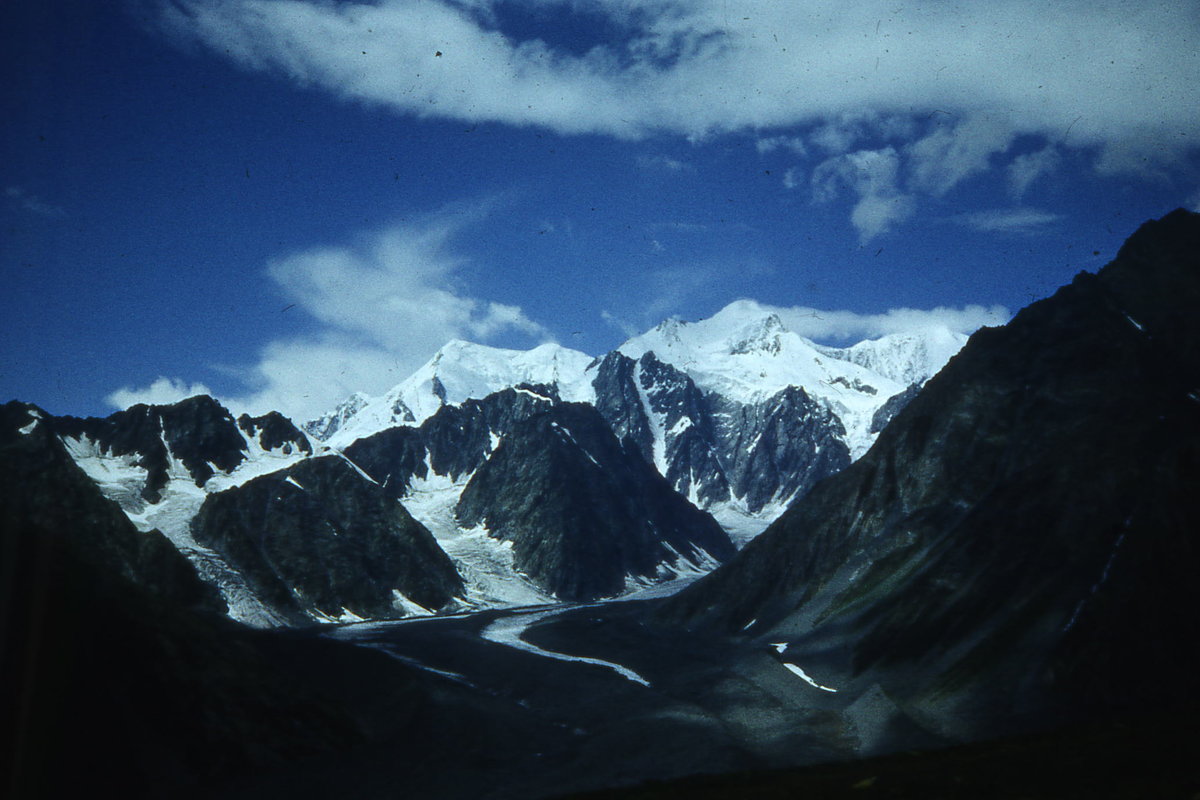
[873, 175]
[627, 328]
[305, 377]
[772, 143]
[1008, 220]
[952, 153]
[1083, 72]
[824, 325]
[163, 391]
[839, 135]
[949, 86]
[1193, 202]
[396, 289]
[384, 305]
[1028, 167]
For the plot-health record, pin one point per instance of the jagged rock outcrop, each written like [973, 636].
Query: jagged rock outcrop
[198, 432]
[888, 411]
[715, 449]
[1021, 542]
[584, 511]
[330, 423]
[451, 443]
[778, 449]
[320, 539]
[620, 403]
[274, 431]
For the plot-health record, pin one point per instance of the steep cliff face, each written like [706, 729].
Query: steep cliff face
[1022, 537]
[321, 540]
[452, 443]
[585, 512]
[274, 431]
[778, 449]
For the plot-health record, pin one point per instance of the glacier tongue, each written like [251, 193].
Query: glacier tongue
[485, 563]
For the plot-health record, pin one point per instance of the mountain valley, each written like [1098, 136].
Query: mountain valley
[719, 549]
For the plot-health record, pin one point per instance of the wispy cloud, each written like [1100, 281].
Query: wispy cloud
[1075, 71]
[1008, 220]
[793, 144]
[383, 305]
[951, 153]
[32, 203]
[1029, 167]
[622, 324]
[873, 175]
[664, 163]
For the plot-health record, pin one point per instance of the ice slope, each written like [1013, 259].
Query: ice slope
[485, 563]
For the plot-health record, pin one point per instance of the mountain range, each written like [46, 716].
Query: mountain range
[736, 418]
[1005, 548]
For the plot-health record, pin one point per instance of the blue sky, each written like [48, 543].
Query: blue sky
[283, 201]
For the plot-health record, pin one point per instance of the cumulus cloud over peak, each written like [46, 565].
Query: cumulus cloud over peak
[163, 391]
[382, 305]
[822, 325]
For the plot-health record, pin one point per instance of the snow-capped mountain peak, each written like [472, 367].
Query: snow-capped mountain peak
[742, 357]
[460, 371]
[907, 358]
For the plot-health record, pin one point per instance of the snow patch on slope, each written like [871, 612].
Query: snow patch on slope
[905, 358]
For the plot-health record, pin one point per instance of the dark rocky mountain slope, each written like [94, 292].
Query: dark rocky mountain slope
[198, 431]
[116, 667]
[1021, 542]
[48, 503]
[320, 538]
[451, 443]
[582, 510]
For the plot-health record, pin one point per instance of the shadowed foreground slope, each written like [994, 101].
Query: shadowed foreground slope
[1020, 545]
